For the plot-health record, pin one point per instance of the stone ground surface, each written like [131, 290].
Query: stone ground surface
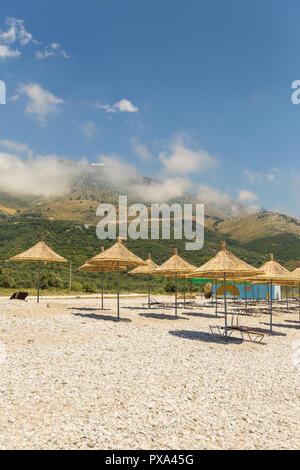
[71, 378]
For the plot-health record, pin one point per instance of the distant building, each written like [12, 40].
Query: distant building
[253, 291]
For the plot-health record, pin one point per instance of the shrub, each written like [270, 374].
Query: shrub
[77, 286]
[170, 287]
[89, 287]
[7, 279]
[50, 279]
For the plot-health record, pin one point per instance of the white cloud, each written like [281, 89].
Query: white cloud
[43, 54]
[15, 146]
[121, 106]
[126, 177]
[5, 51]
[246, 196]
[253, 176]
[126, 106]
[258, 177]
[118, 172]
[179, 159]
[223, 202]
[54, 49]
[47, 175]
[41, 102]
[140, 149]
[89, 129]
[162, 191]
[15, 33]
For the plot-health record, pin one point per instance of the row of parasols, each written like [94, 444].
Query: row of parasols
[225, 266]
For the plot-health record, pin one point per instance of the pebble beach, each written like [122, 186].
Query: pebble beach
[73, 378]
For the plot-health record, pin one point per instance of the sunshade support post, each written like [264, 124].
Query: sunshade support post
[216, 287]
[299, 304]
[118, 290]
[176, 282]
[149, 293]
[102, 289]
[39, 280]
[225, 307]
[271, 311]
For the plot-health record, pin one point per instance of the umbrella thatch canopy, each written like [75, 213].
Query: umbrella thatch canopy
[118, 255]
[40, 253]
[147, 269]
[175, 267]
[273, 273]
[224, 264]
[94, 268]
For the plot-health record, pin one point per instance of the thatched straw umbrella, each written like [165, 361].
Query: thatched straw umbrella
[40, 253]
[174, 267]
[147, 269]
[117, 255]
[93, 268]
[296, 282]
[272, 272]
[224, 265]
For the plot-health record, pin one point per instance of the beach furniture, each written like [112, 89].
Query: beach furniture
[224, 266]
[273, 273]
[175, 267]
[117, 255]
[39, 253]
[147, 269]
[19, 296]
[93, 268]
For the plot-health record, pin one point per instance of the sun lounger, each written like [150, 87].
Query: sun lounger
[155, 304]
[253, 336]
[19, 296]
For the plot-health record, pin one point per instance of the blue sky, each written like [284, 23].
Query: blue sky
[196, 93]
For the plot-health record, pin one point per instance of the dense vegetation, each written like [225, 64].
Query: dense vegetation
[77, 244]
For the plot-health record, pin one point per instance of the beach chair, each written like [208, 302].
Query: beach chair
[19, 296]
[154, 304]
[244, 331]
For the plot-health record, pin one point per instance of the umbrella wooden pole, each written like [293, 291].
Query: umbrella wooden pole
[299, 303]
[39, 280]
[176, 295]
[102, 289]
[184, 289]
[149, 279]
[271, 311]
[118, 290]
[287, 300]
[245, 297]
[225, 307]
[216, 287]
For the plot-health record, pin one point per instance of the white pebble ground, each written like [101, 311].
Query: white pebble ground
[71, 378]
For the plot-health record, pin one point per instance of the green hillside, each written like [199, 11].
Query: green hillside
[77, 243]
